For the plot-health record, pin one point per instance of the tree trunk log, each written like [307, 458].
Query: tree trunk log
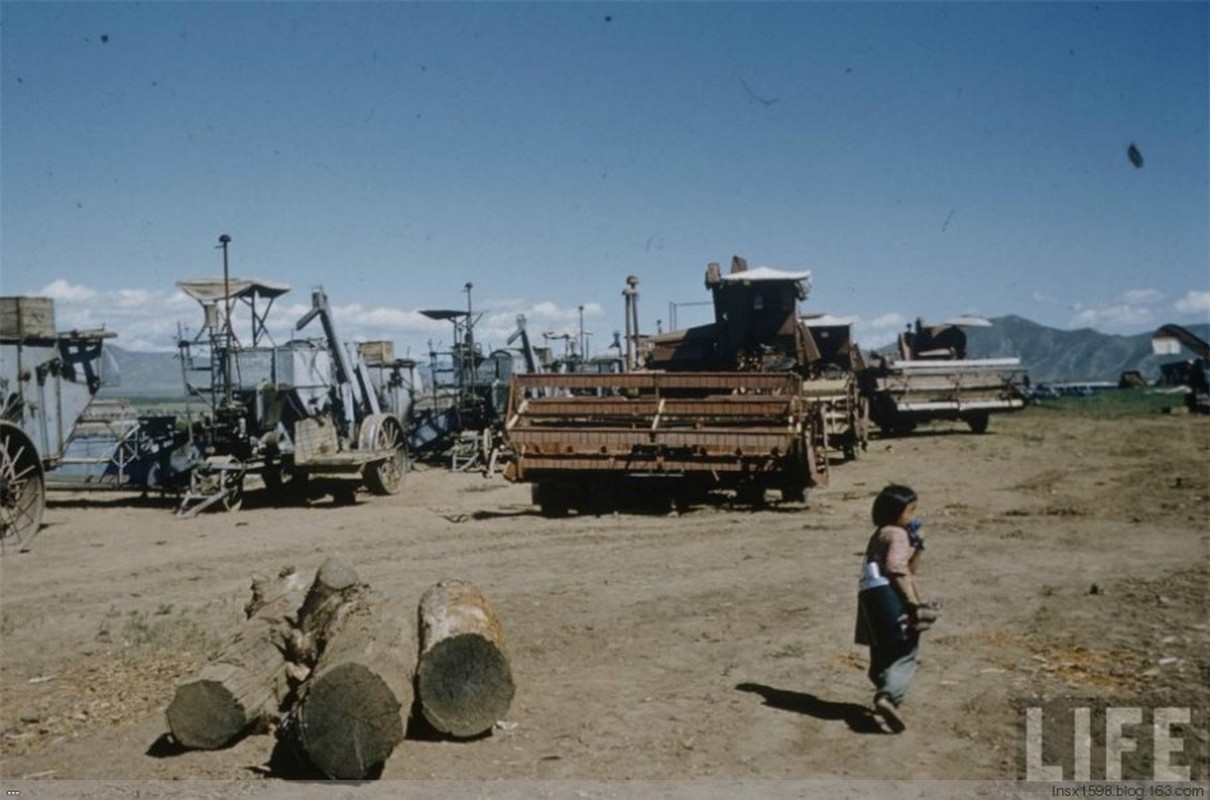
[354, 708]
[463, 683]
[335, 582]
[246, 684]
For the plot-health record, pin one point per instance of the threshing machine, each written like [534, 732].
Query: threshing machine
[47, 381]
[305, 416]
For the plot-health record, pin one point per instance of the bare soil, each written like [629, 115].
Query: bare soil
[1070, 549]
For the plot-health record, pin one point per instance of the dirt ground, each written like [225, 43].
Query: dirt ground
[1070, 549]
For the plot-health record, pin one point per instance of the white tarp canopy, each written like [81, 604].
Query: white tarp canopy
[827, 320]
[206, 290]
[767, 274]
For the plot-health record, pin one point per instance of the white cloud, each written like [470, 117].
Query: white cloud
[135, 298]
[394, 319]
[1194, 302]
[1042, 297]
[1142, 297]
[879, 331]
[1118, 316]
[148, 320]
[69, 292]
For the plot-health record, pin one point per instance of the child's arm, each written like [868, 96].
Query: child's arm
[901, 563]
[906, 586]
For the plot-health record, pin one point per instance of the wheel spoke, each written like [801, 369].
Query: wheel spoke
[21, 489]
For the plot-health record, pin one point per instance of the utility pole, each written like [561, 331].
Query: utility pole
[469, 342]
[228, 331]
[583, 343]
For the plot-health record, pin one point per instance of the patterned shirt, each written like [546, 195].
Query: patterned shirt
[890, 548]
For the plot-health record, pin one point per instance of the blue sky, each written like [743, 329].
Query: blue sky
[920, 159]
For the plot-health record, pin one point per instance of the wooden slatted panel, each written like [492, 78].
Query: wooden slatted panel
[659, 381]
[613, 440]
[632, 465]
[737, 405]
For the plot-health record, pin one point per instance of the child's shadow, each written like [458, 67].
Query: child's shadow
[859, 718]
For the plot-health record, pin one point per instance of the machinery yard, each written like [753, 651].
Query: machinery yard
[1069, 543]
[670, 538]
[496, 400]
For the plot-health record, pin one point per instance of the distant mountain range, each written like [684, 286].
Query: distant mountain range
[1051, 355]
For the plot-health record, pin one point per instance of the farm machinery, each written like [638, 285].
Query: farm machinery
[307, 417]
[1192, 374]
[930, 378]
[47, 383]
[719, 406]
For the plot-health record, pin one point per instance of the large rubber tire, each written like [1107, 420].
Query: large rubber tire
[22, 489]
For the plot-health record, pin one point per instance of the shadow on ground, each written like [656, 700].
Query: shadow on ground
[859, 718]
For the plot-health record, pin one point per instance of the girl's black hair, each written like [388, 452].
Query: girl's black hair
[889, 504]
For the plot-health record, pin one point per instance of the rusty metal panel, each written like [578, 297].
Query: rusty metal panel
[666, 464]
[706, 423]
[662, 381]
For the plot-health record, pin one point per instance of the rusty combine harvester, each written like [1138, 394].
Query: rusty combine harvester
[932, 379]
[719, 406]
[832, 388]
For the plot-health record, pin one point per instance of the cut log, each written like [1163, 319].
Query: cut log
[463, 681]
[245, 686]
[335, 582]
[354, 707]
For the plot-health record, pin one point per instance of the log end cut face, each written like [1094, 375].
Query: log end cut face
[206, 715]
[464, 685]
[351, 721]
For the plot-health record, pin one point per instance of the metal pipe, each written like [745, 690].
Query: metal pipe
[228, 336]
[469, 343]
[629, 341]
[631, 293]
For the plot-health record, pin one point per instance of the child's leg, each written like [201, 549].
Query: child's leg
[892, 669]
[895, 678]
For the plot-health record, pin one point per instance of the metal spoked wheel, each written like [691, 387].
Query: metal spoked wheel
[382, 432]
[22, 489]
[217, 483]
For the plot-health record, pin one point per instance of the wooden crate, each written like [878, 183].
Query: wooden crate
[27, 317]
[377, 353]
[314, 439]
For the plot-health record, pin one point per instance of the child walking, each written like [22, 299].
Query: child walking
[890, 612]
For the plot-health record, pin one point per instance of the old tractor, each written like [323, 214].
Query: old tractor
[305, 416]
[714, 407]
